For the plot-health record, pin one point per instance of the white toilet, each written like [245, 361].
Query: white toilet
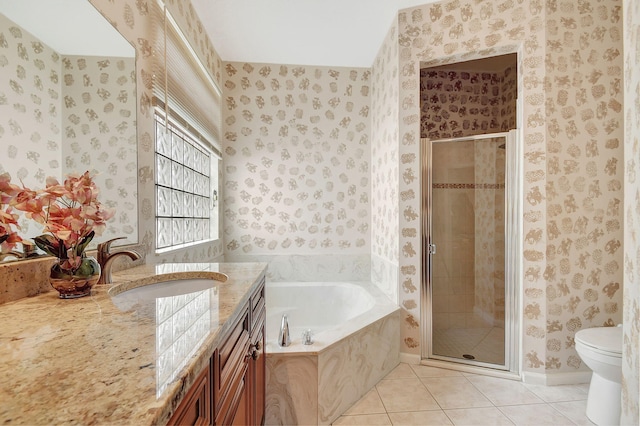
[601, 350]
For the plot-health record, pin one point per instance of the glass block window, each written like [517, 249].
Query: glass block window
[186, 188]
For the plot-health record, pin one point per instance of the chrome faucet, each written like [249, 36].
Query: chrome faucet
[105, 258]
[306, 337]
[284, 339]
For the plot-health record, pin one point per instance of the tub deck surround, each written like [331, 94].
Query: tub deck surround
[356, 342]
[331, 316]
[84, 361]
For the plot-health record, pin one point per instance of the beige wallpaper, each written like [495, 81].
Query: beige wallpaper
[99, 133]
[385, 194]
[133, 20]
[584, 174]
[579, 43]
[296, 160]
[31, 102]
[67, 115]
[631, 328]
[572, 142]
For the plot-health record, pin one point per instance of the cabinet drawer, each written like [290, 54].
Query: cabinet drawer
[231, 357]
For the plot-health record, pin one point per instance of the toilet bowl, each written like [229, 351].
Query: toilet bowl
[601, 350]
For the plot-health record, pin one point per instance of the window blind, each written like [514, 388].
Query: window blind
[181, 85]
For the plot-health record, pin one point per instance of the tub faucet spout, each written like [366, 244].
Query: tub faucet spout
[284, 339]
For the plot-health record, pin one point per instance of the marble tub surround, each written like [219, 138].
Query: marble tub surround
[315, 389]
[85, 361]
[315, 384]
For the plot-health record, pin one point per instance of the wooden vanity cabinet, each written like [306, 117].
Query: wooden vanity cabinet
[232, 389]
[257, 359]
[230, 377]
[195, 408]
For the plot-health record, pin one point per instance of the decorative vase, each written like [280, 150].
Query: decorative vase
[71, 285]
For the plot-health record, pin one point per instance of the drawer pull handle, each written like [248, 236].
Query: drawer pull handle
[255, 350]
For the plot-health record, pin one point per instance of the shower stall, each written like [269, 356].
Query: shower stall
[471, 213]
[471, 234]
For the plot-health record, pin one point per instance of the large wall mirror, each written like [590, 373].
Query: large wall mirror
[68, 104]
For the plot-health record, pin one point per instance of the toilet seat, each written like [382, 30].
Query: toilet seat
[602, 340]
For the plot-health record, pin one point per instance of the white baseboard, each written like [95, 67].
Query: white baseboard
[554, 379]
[409, 358]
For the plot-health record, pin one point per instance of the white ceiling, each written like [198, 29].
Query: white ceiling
[83, 32]
[300, 32]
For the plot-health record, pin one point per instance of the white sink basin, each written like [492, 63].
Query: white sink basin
[147, 294]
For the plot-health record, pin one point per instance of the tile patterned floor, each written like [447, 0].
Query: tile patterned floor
[422, 395]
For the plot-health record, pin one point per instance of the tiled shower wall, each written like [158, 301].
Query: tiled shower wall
[69, 114]
[297, 168]
[454, 233]
[489, 256]
[467, 228]
[572, 216]
[631, 322]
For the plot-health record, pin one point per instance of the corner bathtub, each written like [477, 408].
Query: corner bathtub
[355, 332]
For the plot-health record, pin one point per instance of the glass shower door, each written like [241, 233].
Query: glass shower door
[466, 240]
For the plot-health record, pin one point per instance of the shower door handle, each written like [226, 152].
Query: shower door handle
[432, 249]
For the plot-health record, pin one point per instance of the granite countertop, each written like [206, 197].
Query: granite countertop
[88, 361]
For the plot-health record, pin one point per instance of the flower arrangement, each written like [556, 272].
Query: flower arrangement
[71, 215]
[8, 220]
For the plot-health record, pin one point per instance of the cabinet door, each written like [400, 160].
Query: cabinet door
[235, 407]
[241, 415]
[195, 408]
[231, 360]
[257, 371]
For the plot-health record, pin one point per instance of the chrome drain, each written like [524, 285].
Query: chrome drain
[467, 356]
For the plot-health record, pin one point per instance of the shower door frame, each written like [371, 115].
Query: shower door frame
[512, 255]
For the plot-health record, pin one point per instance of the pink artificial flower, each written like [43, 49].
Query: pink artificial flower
[8, 220]
[70, 213]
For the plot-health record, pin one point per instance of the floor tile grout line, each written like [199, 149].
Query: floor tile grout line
[500, 408]
[561, 413]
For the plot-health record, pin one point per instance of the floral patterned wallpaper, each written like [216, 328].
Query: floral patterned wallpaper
[296, 160]
[572, 143]
[70, 114]
[99, 133]
[580, 43]
[385, 194]
[631, 322]
[134, 20]
[583, 100]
